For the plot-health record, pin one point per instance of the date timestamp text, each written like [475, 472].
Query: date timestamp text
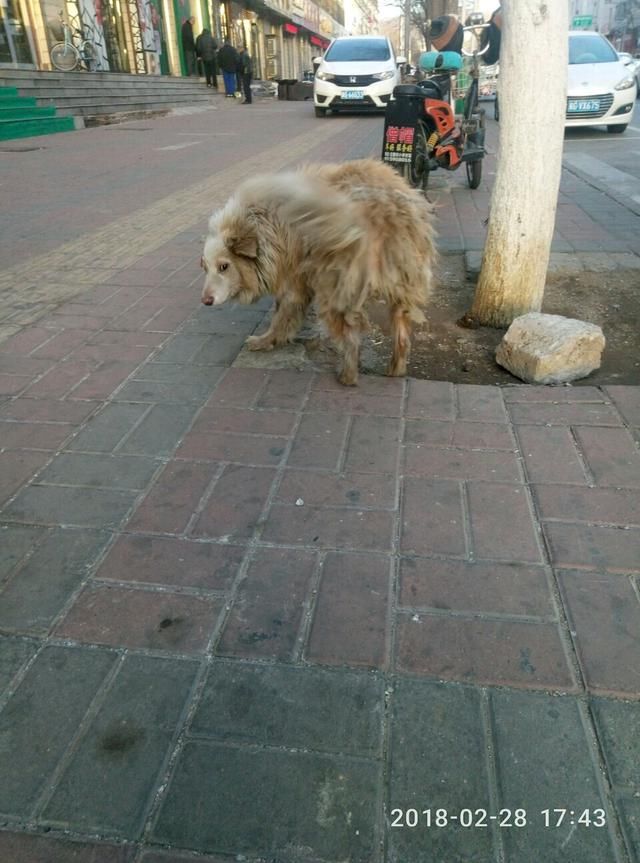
[480, 818]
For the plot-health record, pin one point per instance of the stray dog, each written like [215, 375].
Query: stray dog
[338, 235]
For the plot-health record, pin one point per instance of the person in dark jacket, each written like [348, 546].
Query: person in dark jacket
[228, 62]
[189, 45]
[246, 71]
[206, 48]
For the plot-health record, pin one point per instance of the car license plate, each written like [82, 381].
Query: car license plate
[352, 94]
[583, 105]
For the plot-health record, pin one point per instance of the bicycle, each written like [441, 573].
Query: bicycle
[67, 56]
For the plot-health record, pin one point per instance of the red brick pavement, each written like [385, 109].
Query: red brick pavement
[455, 505]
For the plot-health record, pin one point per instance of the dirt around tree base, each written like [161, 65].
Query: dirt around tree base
[444, 351]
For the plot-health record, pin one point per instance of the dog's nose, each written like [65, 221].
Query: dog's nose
[208, 301]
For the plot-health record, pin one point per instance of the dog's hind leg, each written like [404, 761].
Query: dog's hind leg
[346, 330]
[401, 337]
[287, 319]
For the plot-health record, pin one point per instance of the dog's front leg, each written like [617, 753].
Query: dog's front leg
[285, 323]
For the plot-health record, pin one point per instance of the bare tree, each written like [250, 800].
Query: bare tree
[525, 194]
[422, 13]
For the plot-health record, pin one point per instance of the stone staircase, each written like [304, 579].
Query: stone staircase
[21, 117]
[92, 98]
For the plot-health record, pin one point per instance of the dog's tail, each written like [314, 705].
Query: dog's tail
[324, 217]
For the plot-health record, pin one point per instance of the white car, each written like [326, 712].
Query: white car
[356, 72]
[632, 63]
[601, 89]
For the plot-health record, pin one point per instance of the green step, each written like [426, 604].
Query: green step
[16, 101]
[25, 112]
[8, 91]
[10, 129]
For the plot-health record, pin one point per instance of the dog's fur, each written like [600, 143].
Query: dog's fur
[339, 235]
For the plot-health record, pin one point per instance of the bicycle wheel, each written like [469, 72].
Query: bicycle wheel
[64, 57]
[89, 55]
[420, 171]
[474, 173]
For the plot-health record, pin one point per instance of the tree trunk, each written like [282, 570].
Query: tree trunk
[532, 87]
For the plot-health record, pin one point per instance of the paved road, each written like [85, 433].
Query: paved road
[610, 162]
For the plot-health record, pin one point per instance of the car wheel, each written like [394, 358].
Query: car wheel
[617, 129]
[319, 112]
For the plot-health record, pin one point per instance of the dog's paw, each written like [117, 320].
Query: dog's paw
[348, 378]
[259, 343]
[397, 369]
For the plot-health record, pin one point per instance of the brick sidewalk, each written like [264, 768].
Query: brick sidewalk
[252, 615]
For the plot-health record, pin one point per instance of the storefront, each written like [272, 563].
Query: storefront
[16, 48]
[183, 10]
[144, 36]
[135, 36]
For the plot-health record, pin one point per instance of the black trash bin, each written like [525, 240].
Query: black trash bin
[300, 91]
[283, 88]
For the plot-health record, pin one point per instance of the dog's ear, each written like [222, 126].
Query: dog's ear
[246, 245]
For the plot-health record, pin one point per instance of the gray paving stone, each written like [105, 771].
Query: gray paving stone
[545, 761]
[105, 431]
[288, 806]
[16, 540]
[79, 507]
[126, 746]
[14, 652]
[40, 719]
[158, 434]
[223, 321]
[29, 848]
[277, 705]
[181, 349]
[219, 350]
[171, 382]
[101, 471]
[175, 373]
[438, 761]
[181, 389]
[618, 725]
[630, 817]
[36, 593]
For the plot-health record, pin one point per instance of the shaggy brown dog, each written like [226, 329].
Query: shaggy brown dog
[339, 235]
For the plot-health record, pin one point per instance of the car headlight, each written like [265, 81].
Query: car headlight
[383, 76]
[626, 82]
[325, 76]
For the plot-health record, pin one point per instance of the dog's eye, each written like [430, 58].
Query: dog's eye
[222, 267]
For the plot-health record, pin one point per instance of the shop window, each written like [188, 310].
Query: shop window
[14, 43]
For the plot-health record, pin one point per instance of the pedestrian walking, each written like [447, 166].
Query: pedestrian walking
[206, 49]
[189, 45]
[246, 73]
[228, 62]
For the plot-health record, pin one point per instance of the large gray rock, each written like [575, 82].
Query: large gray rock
[550, 349]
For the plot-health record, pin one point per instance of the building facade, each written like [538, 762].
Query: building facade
[144, 36]
[361, 17]
[619, 20]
